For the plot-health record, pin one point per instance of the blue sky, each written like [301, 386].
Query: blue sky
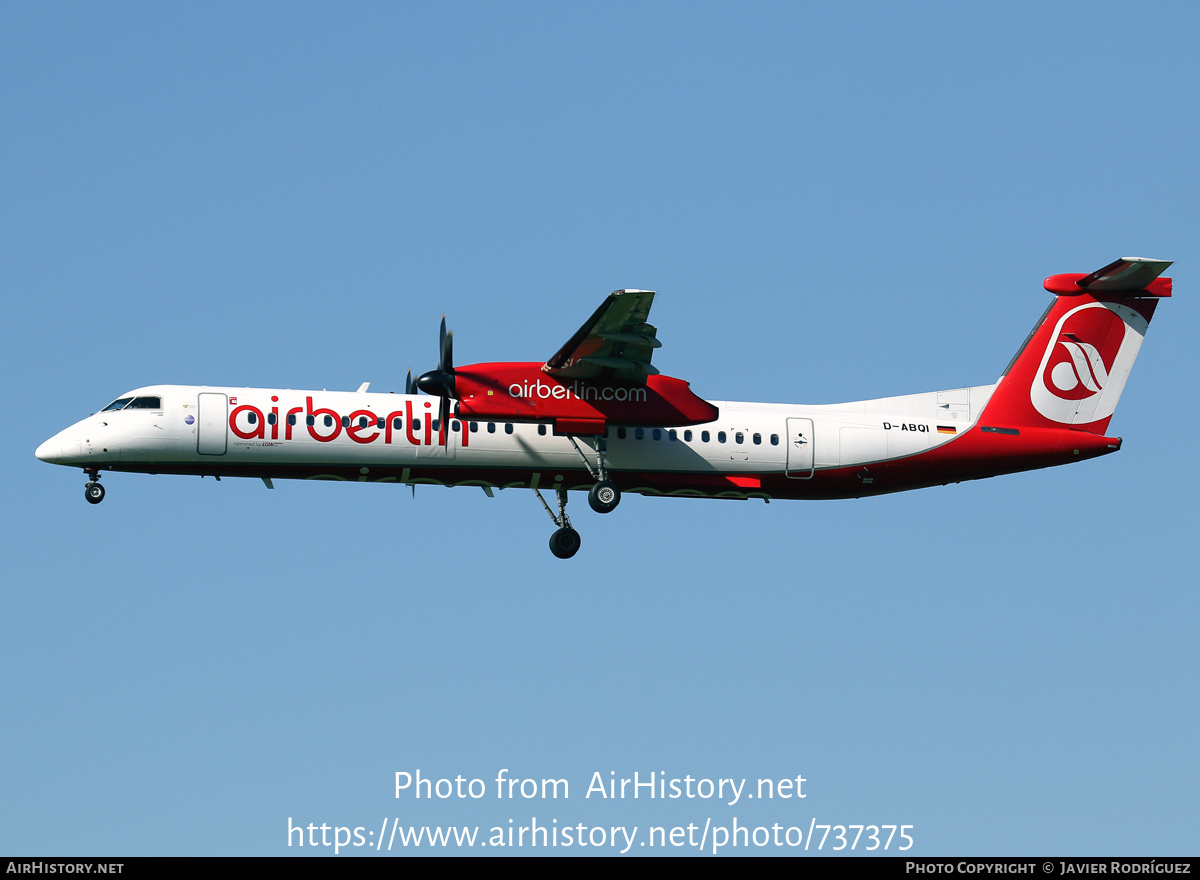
[834, 202]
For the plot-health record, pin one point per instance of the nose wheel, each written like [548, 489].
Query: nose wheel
[92, 490]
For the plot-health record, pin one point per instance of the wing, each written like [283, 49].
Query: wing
[616, 341]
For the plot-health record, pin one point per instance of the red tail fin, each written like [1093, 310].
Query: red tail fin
[1073, 366]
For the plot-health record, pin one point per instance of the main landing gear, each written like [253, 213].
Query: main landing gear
[92, 490]
[565, 542]
[603, 497]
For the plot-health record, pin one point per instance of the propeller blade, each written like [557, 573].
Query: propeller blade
[446, 349]
[410, 384]
[441, 380]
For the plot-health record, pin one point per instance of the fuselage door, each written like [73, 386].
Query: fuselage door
[212, 421]
[799, 448]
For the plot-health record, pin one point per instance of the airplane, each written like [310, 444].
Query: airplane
[598, 417]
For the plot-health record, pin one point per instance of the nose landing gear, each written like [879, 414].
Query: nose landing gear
[92, 490]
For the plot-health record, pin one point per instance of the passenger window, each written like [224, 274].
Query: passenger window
[252, 418]
[720, 436]
[621, 433]
[455, 425]
[311, 420]
[739, 437]
[362, 421]
[435, 425]
[638, 433]
[704, 435]
[774, 439]
[396, 423]
[658, 433]
[380, 423]
[687, 436]
[474, 427]
[508, 427]
[671, 434]
[491, 427]
[542, 430]
[272, 418]
[757, 439]
[328, 421]
[345, 421]
[291, 418]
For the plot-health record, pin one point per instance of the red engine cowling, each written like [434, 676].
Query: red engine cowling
[525, 392]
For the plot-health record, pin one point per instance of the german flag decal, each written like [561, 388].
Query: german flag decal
[947, 429]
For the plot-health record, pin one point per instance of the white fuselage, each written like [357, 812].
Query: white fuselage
[387, 437]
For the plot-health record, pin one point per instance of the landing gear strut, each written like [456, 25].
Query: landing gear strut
[604, 495]
[565, 542]
[92, 490]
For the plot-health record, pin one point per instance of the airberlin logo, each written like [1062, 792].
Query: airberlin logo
[362, 426]
[1082, 375]
[1083, 352]
[540, 390]
[1089, 353]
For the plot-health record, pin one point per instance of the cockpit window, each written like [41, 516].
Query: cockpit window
[134, 403]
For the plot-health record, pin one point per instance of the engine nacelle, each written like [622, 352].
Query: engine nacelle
[525, 392]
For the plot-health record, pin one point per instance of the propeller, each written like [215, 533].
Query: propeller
[410, 384]
[441, 380]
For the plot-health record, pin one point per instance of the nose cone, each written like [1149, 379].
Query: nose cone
[50, 451]
[62, 448]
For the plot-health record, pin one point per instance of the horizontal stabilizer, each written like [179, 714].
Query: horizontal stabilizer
[1125, 275]
[1128, 275]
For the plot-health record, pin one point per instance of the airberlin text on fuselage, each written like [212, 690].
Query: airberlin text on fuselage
[254, 425]
[577, 390]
